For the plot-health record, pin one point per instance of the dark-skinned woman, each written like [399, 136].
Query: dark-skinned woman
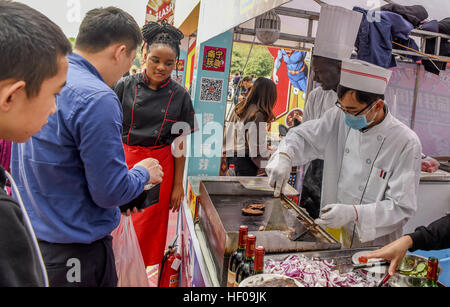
[152, 104]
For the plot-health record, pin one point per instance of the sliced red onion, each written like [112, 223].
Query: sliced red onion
[316, 272]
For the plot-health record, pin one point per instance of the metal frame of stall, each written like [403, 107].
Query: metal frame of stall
[302, 40]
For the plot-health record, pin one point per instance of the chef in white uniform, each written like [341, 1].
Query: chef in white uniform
[372, 160]
[335, 39]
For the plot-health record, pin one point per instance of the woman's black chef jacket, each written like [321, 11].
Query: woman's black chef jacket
[148, 115]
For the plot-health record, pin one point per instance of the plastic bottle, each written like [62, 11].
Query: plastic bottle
[231, 171]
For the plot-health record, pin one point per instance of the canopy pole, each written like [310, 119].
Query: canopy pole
[416, 94]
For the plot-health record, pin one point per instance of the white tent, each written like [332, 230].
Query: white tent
[68, 14]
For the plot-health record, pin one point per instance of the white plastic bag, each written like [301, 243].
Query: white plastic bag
[129, 262]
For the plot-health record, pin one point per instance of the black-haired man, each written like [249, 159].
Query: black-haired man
[73, 174]
[33, 69]
[371, 160]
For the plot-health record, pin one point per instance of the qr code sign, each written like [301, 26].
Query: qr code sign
[211, 90]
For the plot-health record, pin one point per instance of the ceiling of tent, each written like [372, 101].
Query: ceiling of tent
[437, 9]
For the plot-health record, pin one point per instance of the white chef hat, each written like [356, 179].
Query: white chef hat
[336, 32]
[364, 76]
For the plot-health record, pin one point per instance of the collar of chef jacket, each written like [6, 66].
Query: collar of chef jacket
[145, 79]
[386, 113]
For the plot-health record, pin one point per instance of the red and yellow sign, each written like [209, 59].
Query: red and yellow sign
[180, 65]
[190, 64]
[290, 101]
[158, 10]
[214, 58]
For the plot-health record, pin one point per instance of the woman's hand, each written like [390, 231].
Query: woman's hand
[177, 197]
[393, 252]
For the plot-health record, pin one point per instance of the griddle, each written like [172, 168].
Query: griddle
[220, 216]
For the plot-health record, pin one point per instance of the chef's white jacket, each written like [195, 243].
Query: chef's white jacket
[377, 170]
[319, 101]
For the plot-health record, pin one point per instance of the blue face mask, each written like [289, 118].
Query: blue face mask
[357, 122]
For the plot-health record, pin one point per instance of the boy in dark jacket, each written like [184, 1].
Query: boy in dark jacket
[28, 85]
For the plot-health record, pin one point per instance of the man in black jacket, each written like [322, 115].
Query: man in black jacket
[33, 69]
[435, 236]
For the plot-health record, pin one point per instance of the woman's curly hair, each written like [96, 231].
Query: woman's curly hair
[162, 33]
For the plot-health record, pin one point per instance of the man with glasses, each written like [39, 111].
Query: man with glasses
[371, 160]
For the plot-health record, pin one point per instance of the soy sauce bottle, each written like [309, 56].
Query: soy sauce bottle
[432, 273]
[246, 268]
[238, 256]
[259, 260]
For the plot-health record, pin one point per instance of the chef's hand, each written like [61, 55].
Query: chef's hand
[393, 252]
[278, 169]
[336, 215]
[177, 197]
[153, 168]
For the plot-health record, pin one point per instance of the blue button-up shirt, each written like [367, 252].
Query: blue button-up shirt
[72, 175]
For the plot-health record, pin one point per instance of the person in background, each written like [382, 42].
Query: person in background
[371, 160]
[154, 106]
[236, 79]
[72, 174]
[243, 89]
[255, 110]
[28, 85]
[434, 237]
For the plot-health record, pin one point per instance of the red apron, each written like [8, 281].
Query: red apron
[151, 225]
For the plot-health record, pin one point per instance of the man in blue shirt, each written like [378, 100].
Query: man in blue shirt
[72, 175]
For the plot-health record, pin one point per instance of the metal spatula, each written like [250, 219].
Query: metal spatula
[276, 219]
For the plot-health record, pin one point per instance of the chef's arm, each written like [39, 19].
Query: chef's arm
[177, 194]
[308, 141]
[400, 199]
[179, 164]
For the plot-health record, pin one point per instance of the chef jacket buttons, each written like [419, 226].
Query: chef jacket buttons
[347, 150]
[368, 161]
[379, 138]
[361, 188]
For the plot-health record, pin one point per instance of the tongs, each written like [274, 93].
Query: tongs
[347, 268]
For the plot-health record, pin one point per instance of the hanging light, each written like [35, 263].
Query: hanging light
[267, 27]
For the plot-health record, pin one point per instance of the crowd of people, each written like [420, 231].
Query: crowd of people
[88, 136]
[61, 110]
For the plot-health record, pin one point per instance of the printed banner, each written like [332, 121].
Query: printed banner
[158, 10]
[290, 74]
[214, 58]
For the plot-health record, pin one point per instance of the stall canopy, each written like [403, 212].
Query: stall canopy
[299, 18]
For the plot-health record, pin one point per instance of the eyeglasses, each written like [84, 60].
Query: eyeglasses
[338, 104]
